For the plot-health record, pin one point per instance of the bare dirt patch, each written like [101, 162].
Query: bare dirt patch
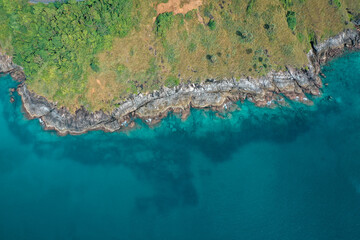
[178, 6]
[99, 83]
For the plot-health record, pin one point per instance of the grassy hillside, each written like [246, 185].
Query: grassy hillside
[97, 52]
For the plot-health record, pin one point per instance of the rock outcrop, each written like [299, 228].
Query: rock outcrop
[264, 91]
[8, 66]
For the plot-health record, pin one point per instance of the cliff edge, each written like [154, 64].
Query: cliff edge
[265, 91]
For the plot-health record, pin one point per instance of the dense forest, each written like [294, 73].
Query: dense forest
[57, 42]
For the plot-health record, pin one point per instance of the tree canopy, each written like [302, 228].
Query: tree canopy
[57, 42]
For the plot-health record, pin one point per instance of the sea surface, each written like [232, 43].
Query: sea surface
[259, 174]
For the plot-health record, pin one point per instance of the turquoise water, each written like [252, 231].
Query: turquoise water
[286, 173]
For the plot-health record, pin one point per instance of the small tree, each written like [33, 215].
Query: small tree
[212, 24]
[291, 20]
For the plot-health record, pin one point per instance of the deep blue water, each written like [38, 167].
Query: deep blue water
[285, 173]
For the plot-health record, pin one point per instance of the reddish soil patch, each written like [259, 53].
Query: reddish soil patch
[178, 6]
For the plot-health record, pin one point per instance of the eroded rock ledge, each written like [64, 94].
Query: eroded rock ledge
[264, 91]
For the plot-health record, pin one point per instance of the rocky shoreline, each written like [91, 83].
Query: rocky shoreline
[218, 95]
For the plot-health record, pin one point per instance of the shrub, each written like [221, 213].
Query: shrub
[312, 37]
[211, 58]
[300, 37]
[208, 9]
[212, 24]
[291, 20]
[95, 65]
[121, 69]
[286, 3]
[335, 3]
[244, 36]
[249, 51]
[190, 15]
[270, 30]
[163, 23]
[250, 7]
[172, 81]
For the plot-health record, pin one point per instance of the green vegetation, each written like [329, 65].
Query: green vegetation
[244, 35]
[172, 81]
[336, 3]
[190, 15]
[163, 23]
[96, 52]
[291, 20]
[212, 24]
[287, 3]
[56, 43]
[250, 6]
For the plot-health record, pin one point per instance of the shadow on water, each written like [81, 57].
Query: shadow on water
[283, 127]
[166, 167]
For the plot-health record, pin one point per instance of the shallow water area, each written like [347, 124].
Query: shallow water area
[284, 173]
